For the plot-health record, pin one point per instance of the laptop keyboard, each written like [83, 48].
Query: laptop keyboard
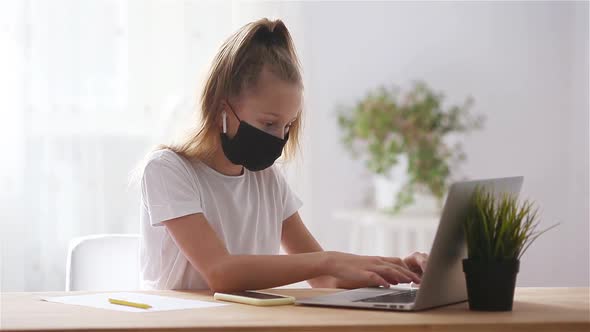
[402, 296]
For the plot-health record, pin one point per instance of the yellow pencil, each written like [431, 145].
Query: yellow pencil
[130, 304]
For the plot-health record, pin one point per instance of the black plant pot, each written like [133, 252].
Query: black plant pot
[490, 284]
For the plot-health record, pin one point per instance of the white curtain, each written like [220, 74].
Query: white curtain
[88, 88]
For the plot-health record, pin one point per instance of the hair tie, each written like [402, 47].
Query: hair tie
[268, 37]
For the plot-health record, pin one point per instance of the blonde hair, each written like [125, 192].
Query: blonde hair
[236, 67]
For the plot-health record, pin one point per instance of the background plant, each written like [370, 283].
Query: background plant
[385, 124]
[499, 228]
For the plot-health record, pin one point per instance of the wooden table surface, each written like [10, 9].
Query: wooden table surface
[535, 309]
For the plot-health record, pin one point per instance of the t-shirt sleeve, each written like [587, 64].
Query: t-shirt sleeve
[167, 189]
[291, 202]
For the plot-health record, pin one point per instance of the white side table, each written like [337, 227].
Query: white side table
[377, 233]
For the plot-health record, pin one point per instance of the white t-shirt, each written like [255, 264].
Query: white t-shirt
[246, 212]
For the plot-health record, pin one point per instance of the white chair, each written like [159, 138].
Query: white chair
[103, 262]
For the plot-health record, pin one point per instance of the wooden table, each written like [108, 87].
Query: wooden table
[535, 309]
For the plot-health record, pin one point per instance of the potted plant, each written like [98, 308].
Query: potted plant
[498, 230]
[403, 137]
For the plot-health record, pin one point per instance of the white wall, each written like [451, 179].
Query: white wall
[526, 64]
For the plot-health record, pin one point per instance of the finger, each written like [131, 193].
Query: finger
[395, 261]
[423, 264]
[374, 279]
[419, 268]
[423, 261]
[407, 270]
[417, 261]
[396, 274]
[412, 275]
[412, 263]
[415, 266]
[418, 254]
[412, 270]
[387, 273]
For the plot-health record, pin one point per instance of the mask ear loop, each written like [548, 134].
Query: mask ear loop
[234, 112]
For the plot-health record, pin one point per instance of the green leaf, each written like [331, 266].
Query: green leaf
[499, 227]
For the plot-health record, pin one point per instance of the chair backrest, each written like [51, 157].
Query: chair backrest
[103, 262]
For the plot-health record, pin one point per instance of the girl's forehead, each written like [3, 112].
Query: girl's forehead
[284, 99]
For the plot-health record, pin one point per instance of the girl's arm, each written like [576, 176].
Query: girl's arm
[225, 272]
[296, 239]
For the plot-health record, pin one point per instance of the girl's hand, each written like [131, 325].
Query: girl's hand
[416, 262]
[354, 271]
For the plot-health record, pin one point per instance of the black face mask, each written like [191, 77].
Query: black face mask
[251, 147]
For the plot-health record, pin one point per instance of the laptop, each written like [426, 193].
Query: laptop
[443, 282]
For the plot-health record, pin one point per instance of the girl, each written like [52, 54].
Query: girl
[215, 211]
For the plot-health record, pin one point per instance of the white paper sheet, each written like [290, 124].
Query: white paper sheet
[158, 303]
